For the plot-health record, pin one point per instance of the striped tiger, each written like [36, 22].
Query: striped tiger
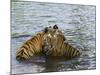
[56, 46]
[35, 45]
[51, 37]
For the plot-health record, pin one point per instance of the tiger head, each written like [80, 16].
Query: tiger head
[52, 34]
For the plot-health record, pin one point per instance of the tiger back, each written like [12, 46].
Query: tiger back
[30, 48]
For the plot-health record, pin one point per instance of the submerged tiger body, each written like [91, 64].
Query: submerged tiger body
[31, 47]
[50, 42]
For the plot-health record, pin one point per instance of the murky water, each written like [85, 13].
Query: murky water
[77, 23]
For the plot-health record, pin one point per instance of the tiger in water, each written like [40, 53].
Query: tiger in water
[35, 45]
[55, 45]
[49, 42]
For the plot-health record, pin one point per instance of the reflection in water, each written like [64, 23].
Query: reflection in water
[52, 65]
[77, 22]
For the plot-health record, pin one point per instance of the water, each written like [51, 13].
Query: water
[77, 22]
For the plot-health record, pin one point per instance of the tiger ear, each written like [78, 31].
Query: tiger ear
[50, 27]
[55, 27]
[46, 29]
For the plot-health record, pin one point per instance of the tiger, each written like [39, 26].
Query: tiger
[35, 45]
[56, 46]
[52, 37]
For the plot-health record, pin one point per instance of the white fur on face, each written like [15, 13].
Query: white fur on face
[55, 36]
[57, 32]
[49, 35]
